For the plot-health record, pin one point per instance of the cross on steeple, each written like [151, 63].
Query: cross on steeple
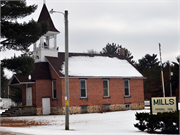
[44, 1]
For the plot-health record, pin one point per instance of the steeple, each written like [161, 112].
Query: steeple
[44, 16]
[44, 47]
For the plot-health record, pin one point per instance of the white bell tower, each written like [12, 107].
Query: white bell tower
[44, 47]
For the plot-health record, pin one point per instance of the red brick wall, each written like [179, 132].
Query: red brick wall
[58, 101]
[43, 89]
[136, 91]
[95, 92]
[24, 95]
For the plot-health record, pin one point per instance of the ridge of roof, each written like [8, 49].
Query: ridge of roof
[45, 17]
[92, 55]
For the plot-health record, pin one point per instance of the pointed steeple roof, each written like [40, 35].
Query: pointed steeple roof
[44, 16]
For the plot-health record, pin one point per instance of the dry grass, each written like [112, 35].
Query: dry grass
[9, 122]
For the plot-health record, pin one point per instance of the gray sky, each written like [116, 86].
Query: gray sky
[138, 26]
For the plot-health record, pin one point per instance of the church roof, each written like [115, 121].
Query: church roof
[94, 66]
[44, 16]
[82, 65]
[41, 72]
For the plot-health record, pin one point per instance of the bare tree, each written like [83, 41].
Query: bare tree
[91, 51]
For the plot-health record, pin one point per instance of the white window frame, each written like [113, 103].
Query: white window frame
[53, 95]
[128, 88]
[85, 88]
[107, 86]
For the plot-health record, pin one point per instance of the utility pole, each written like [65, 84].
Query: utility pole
[66, 73]
[161, 70]
[66, 68]
[170, 79]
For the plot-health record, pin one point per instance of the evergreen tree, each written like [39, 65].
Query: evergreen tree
[153, 84]
[167, 69]
[166, 73]
[3, 78]
[19, 36]
[3, 83]
[23, 65]
[114, 49]
[16, 94]
[149, 67]
[175, 77]
[148, 61]
[129, 56]
[111, 49]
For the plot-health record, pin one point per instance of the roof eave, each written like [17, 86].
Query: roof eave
[131, 77]
[51, 33]
[10, 81]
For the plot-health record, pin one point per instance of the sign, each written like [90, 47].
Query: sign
[67, 102]
[163, 104]
[65, 97]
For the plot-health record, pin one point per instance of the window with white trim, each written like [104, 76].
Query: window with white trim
[54, 89]
[126, 87]
[83, 88]
[106, 87]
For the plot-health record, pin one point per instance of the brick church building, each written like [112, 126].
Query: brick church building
[96, 82]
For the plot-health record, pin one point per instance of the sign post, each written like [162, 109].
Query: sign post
[162, 70]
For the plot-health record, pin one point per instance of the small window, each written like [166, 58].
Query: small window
[126, 87]
[107, 107]
[83, 88]
[84, 108]
[54, 89]
[106, 88]
[128, 106]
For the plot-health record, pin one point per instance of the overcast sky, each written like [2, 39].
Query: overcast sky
[138, 26]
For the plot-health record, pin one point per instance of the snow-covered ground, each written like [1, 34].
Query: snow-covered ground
[114, 123]
[2, 111]
[109, 123]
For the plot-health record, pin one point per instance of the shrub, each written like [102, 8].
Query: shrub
[142, 121]
[167, 122]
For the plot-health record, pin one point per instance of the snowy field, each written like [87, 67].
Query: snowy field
[2, 111]
[111, 123]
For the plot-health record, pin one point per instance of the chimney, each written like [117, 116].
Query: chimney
[122, 52]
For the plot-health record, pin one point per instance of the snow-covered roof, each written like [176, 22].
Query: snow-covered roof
[100, 66]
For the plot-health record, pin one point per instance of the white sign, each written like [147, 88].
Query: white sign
[65, 97]
[163, 104]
